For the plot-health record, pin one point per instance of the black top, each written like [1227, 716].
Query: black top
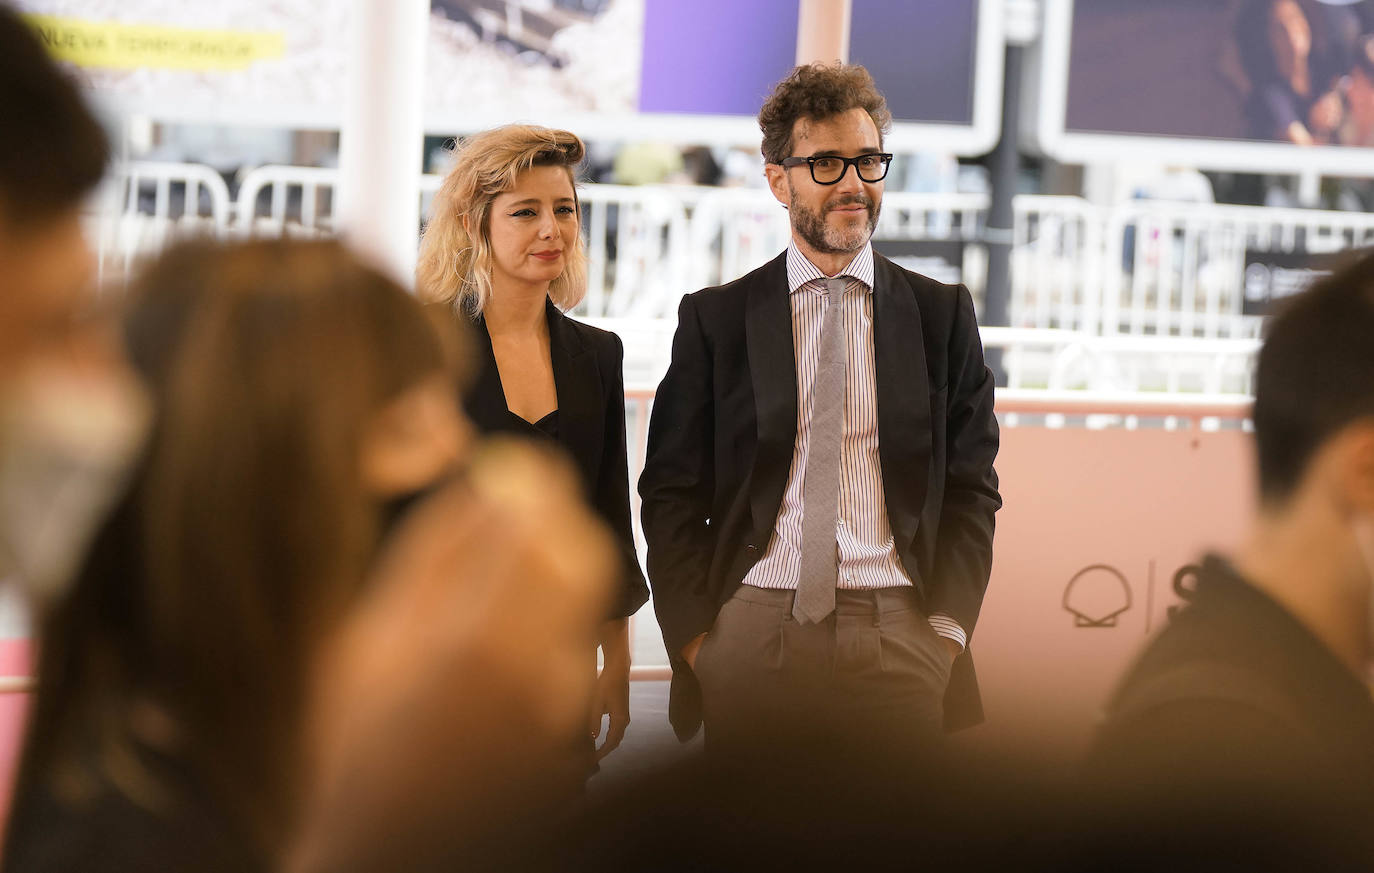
[1237, 706]
[546, 427]
[589, 424]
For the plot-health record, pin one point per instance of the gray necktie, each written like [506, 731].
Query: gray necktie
[821, 487]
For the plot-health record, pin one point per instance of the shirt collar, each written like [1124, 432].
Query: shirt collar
[800, 270]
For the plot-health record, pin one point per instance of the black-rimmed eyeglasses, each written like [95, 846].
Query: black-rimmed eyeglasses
[829, 169]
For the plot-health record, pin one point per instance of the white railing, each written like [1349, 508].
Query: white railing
[1055, 263]
[1147, 268]
[300, 201]
[1179, 268]
[1033, 358]
[143, 206]
[638, 250]
[1056, 360]
[1137, 269]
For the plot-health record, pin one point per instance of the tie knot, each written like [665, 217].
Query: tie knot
[834, 288]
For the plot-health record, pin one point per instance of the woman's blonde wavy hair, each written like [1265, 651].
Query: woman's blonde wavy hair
[455, 266]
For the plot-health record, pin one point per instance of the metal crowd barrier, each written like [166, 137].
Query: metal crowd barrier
[1139, 268]
[1034, 358]
[1154, 268]
[143, 205]
[1143, 296]
[299, 201]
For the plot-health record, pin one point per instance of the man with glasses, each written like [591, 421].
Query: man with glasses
[819, 492]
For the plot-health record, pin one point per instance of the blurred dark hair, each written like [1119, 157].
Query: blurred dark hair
[1331, 50]
[1253, 45]
[1315, 374]
[246, 531]
[818, 91]
[52, 149]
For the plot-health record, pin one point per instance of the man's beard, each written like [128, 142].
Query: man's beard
[811, 225]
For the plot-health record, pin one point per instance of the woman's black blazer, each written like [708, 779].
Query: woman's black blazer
[587, 374]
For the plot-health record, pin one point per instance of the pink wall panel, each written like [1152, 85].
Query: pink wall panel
[15, 660]
[1121, 510]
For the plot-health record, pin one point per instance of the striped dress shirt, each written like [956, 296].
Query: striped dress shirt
[867, 552]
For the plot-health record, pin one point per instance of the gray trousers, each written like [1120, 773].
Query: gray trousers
[873, 673]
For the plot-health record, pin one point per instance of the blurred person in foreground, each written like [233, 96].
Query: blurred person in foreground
[71, 416]
[243, 642]
[457, 626]
[504, 251]
[298, 395]
[1253, 706]
[819, 492]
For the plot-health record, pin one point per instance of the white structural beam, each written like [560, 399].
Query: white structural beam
[823, 31]
[380, 150]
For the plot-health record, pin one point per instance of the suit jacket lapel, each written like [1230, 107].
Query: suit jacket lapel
[773, 371]
[902, 386]
[486, 399]
[577, 379]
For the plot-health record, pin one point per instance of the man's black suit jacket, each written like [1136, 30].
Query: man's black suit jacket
[721, 441]
[589, 380]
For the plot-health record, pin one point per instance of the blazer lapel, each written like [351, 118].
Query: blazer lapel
[485, 401]
[773, 371]
[902, 386]
[577, 379]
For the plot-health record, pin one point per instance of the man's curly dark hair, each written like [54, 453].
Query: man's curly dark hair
[818, 91]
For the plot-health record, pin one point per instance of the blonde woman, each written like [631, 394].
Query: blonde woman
[504, 249]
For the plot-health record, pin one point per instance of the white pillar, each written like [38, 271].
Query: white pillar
[823, 31]
[378, 209]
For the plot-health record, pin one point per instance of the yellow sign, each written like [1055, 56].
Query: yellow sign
[114, 45]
